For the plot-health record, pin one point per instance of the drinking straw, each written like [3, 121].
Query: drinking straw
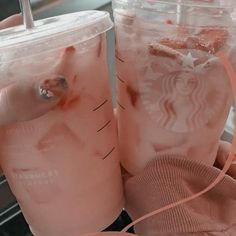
[180, 11]
[27, 14]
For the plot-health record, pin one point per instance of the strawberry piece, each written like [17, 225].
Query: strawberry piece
[209, 39]
[212, 39]
[169, 22]
[175, 44]
[133, 95]
[157, 51]
[69, 102]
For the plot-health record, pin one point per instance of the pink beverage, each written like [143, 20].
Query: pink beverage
[173, 94]
[63, 167]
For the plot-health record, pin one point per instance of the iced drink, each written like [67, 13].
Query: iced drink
[173, 94]
[63, 167]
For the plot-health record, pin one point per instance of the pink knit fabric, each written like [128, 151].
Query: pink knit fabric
[168, 179]
[109, 234]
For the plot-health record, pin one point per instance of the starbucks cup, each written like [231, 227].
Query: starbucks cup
[174, 95]
[63, 167]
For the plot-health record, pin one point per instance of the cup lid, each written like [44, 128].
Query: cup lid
[192, 13]
[195, 3]
[55, 32]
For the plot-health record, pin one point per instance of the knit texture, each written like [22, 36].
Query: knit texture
[170, 178]
[109, 234]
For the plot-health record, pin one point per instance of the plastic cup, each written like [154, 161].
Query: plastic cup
[63, 167]
[174, 95]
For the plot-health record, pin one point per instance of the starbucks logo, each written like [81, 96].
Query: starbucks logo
[180, 93]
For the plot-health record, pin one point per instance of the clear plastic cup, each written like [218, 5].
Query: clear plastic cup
[174, 95]
[63, 167]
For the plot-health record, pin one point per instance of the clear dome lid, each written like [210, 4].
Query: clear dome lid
[196, 13]
[192, 3]
[55, 32]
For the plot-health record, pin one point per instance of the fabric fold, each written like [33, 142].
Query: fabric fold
[170, 178]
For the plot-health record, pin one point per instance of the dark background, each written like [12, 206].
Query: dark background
[8, 7]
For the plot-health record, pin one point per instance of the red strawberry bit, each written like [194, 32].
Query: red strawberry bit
[209, 40]
[155, 51]
[133, 95]
[169, 22]
[163, 50]
[69, 102]
[175, 44]
[72, 98]
[212, 39]
[70, 49]
[67, 57]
